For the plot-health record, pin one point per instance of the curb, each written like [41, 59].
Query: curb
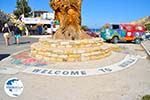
[147, 51]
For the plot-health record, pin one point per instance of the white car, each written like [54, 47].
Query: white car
[49, 31]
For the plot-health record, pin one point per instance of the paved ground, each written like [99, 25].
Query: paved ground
[25, 42]
[5, 51]
[129, 84]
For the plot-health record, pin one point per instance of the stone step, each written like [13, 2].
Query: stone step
[40, 48]
[70, 51]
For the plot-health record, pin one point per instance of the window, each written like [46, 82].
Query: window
[115, 27]
[129, 28]
[139, 28]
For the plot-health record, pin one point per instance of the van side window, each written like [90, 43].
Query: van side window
[115, 27]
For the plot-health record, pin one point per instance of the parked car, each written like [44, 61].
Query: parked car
[92, 34]
[147, 35]
[122, 32]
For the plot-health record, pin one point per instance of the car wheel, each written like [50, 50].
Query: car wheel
[108, 41]
[137, 41]
[115, 40]
[149, 38]
[128, 41]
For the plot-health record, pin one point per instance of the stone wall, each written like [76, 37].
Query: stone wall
[70, 51]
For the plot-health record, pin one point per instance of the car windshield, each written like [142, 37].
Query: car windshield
[129, 28]
[140, 28]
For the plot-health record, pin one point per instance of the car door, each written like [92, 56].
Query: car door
[120, 31]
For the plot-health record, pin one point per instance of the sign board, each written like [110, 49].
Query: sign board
[36, 21]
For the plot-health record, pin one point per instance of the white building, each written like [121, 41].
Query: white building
[41, 18]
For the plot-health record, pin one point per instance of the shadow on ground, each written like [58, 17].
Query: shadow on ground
[2, 56]
[27, 42]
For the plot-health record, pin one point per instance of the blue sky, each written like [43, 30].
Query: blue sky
[95, 13]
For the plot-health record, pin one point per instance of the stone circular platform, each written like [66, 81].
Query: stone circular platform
[70, 50]
[24, 62]
[121, 58]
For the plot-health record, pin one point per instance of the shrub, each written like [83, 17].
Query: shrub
[146, 97]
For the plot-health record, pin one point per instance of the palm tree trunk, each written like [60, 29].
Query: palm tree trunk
[68, 12]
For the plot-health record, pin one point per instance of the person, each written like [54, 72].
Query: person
[17, 33]
[26, 31]
[45, 30]
[39, 29]
[6, 34]
[54, 29]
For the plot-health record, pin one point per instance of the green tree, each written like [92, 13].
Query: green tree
[146, 97]
[148, 26]
[84, 27]
[4, 18]
[22, 7]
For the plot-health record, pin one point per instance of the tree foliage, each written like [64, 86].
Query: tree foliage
[148, 26]
[84, 27]
[22, 7]
[146, 97]
[3, 17]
